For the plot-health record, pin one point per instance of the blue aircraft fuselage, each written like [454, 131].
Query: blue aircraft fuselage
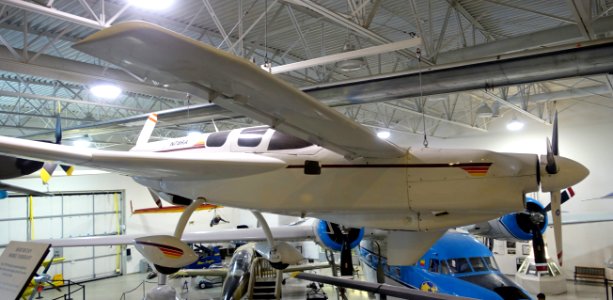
[457, 264]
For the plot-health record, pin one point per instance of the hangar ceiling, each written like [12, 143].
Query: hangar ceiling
[40, 72]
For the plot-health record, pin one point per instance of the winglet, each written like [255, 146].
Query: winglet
[145, 134]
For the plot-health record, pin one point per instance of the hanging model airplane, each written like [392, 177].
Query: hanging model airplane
[312, 161]
[13, 167]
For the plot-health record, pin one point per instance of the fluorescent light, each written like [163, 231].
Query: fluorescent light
[152, 4]
[82, 143]
[105, 91]
[192, 134]
[383, 134]
[515, 125]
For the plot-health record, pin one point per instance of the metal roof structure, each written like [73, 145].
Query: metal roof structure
[40, 73]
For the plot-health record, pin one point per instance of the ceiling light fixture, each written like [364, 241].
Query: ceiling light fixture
[515, 125]
[484, 111]
[152, 4]
[352, 64]
[384, 135]
[105, 91]
[82, 143]
[193, 134]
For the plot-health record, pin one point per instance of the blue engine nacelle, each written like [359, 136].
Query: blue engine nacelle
[330, 235]
[513, 226]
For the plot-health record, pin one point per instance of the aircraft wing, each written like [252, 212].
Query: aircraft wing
[21, 190]
[145, 164]
[582, 218]
[222, 272]
[280, 233]
[233, 83]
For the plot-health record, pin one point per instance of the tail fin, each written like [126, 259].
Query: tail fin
[145, 134]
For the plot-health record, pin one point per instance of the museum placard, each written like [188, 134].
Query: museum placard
[18, 263]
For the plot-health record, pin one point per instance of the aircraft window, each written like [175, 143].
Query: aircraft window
[282, 141]
[240, 262]
[217, 139]
[491, 263]
[478, 264]
[434, 265]
[251, 137]
[444, 268]
[459, 265]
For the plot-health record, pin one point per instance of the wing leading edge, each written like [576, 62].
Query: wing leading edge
[146, 164]
[234, 83]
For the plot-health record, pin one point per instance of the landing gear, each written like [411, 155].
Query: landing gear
[163, 291]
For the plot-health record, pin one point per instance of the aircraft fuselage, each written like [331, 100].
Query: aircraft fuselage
[425, 189]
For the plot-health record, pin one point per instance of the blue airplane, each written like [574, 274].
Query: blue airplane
[457, 264]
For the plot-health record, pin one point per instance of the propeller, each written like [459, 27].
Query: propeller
[552, 168]
[346, 260]
[41, 278]
[49, 167]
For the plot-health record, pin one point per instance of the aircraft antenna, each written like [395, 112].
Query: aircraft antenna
[422, 101]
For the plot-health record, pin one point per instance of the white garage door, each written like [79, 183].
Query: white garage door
[69, 215]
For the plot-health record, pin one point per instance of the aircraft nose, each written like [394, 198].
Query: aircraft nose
[232, 288]
[570, 173]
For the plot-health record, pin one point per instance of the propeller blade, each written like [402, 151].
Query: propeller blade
[47, 171]
[556, 213]
[346, 261]
[34, 291]
[565, 196]
[552, 167]
[538, 246]
[48, 265]
[554, 136]
[67, 169]
[58, 129]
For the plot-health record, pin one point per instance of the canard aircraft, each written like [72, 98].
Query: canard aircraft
[311, 161]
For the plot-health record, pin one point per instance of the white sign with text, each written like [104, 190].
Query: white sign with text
[18, 263]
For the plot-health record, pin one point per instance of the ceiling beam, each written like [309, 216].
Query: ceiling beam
[346, 55]
[345, 23]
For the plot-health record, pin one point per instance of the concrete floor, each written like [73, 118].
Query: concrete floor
[114, 288]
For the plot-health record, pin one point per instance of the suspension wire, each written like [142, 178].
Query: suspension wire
[266, 63]
[422, 101]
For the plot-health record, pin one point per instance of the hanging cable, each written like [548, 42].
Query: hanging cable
[266, 63]
[422, 101]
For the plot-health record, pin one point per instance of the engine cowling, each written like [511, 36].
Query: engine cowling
[13, 167]
[513, 226]
[170, 198]
[330, 235]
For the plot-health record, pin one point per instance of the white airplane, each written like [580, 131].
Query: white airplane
[311, 161]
